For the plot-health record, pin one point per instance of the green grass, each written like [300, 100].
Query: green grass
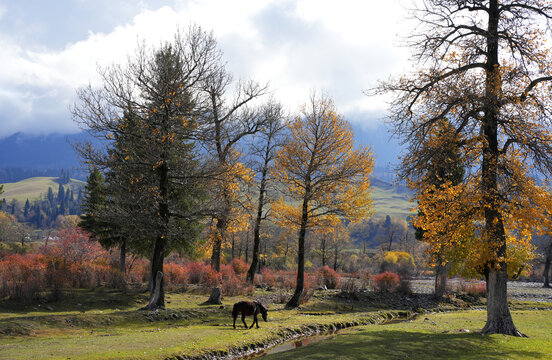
[105, 324]
[390, 202]
[33, 188]
[436, 338]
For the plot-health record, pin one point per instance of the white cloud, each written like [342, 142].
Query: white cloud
[296, 46]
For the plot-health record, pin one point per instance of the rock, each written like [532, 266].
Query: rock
[322, 288]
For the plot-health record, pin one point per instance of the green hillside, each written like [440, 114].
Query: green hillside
[391, 200]
[32, 188]
[388, 199]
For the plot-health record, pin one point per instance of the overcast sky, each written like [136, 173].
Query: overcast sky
[50, 48]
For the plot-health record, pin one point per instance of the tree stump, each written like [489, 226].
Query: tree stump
[216, 296]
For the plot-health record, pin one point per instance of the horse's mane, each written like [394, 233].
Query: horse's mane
[261, 305]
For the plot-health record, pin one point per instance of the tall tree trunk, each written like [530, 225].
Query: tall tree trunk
[247, 248]
[499, 319]
[233, 245]
[122, 256]
[157, 298]
[547, 267]
[257, 228]
[441, 274]
[335, 258]
[222, 224]
[295, 300]
[323, 248]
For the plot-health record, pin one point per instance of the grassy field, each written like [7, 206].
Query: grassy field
[32, 188]
[439, 336]
[389, 202]
[106, 325]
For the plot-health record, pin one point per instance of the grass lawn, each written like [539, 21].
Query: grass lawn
[105, 324]
[32, 188]
[436, 338]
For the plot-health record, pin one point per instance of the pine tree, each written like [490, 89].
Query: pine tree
[26, 209]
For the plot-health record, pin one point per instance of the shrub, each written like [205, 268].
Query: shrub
[175, 275]
[197, 272]
[239, 266]
[476, 289]
[400, 262]
[386, 282]
[269, 277]
[328, 277]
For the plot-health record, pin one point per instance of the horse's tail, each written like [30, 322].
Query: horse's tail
[236, 310]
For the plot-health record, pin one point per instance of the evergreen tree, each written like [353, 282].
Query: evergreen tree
[50, 196]
[60, 194]
[26, 209]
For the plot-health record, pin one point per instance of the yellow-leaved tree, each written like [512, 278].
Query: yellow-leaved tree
[486, 67]
[324, 178]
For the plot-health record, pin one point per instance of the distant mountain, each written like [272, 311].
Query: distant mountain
[23, 156]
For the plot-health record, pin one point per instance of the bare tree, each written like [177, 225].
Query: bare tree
[264, 149]
[223, 124]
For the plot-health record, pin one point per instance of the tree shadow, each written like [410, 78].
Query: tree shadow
[394, 344]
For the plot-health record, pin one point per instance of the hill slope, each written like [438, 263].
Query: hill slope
[32, 188]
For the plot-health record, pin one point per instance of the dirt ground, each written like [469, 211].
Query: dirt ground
[517, 290]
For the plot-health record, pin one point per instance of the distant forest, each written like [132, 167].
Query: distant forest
[15, 174]
[44, 212]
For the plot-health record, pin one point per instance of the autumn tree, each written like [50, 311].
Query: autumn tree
[147, 112]
[444, 169]
[223, 123]
[485, 67]
[320, 169]
[263, 149]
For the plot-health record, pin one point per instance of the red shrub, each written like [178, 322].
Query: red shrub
[386, 282]
[239, 266]
[269, 277]
[175, 275]
[477, 289]
[328, 277]
[197, 272]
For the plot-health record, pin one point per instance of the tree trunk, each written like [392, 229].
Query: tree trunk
[247, 248]
[157, 298]
[335, 259]
[257, 228]
[220, 235]
[233, 245]
[122, 256]
[499, 319]
[441, 274]
[323, 246]
[547, 269]
[295, 300]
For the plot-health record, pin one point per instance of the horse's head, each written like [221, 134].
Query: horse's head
[263, 310]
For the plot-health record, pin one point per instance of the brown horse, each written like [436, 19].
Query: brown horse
[247, 308]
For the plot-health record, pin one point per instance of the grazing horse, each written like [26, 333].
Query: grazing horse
[247, 308]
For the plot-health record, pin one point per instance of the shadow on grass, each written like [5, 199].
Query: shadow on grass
[79, 300]
[393, 344]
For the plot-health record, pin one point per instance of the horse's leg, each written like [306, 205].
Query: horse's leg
[235, 317]
[243, 319]
[254, 320]
[257, 321]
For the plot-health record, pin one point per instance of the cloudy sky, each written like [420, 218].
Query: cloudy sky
[50, 48]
